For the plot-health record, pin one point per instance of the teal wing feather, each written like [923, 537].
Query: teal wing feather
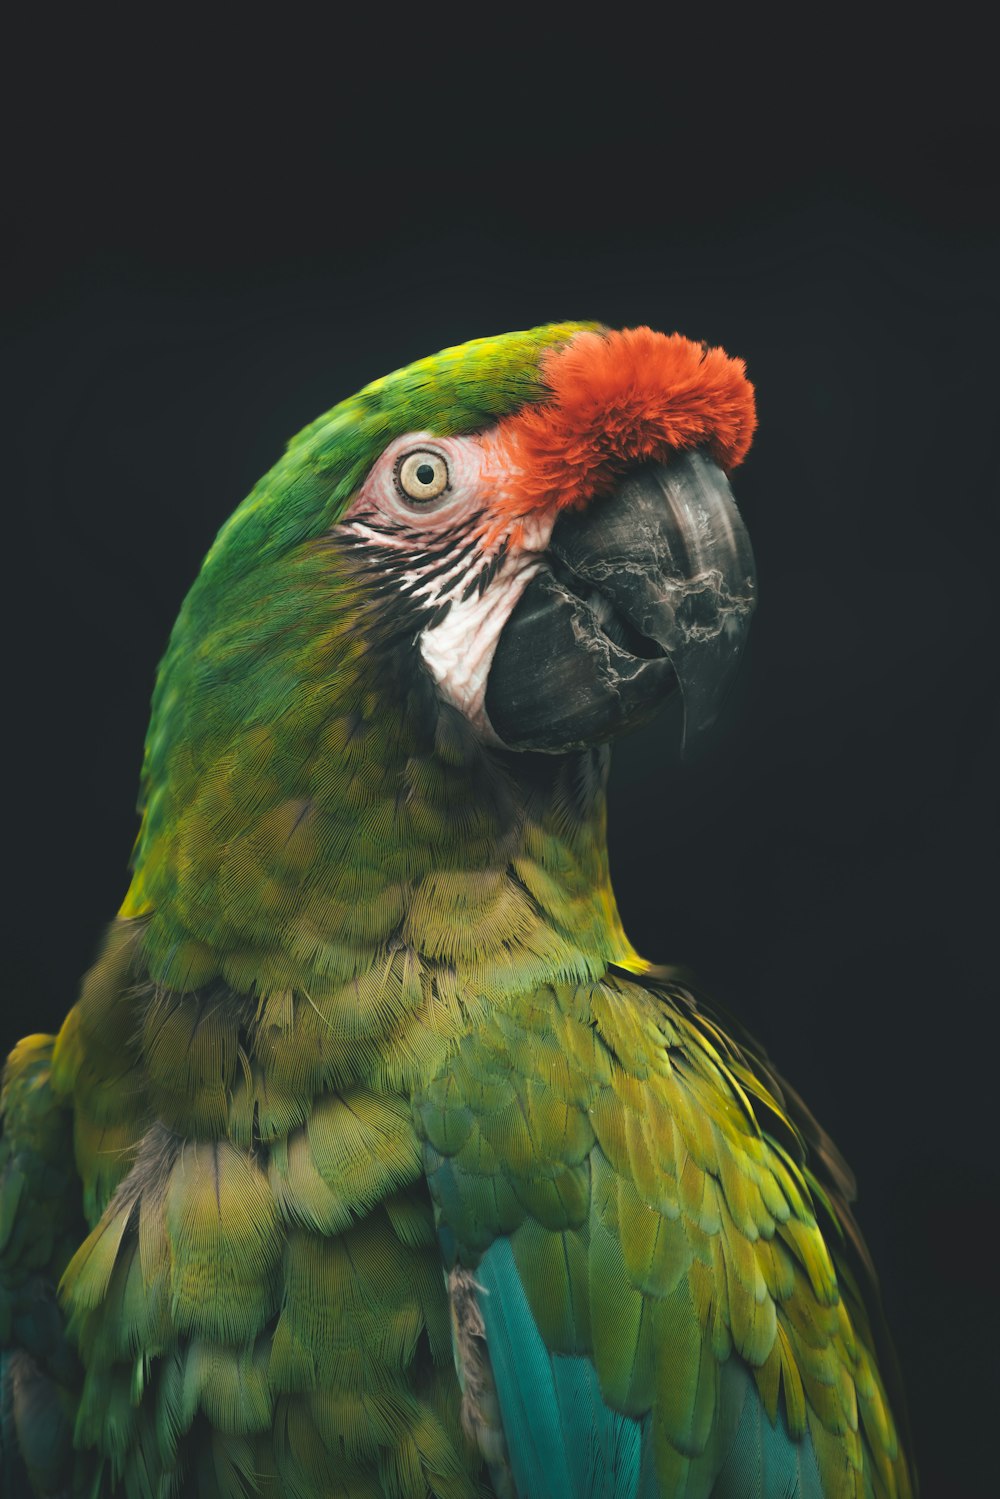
[763, 1461]
[564, 1441]
[633, 1193]
[830, 1178]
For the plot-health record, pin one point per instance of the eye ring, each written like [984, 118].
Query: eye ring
[421, 476]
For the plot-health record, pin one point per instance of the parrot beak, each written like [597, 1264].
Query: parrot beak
[648, 589]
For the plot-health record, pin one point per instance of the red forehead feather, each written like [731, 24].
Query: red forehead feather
[618, 398]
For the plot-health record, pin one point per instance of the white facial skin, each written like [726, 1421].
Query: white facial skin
[437, 500]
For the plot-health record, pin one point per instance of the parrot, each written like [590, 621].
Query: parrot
[373, 1161]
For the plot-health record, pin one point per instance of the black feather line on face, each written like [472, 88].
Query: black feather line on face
[455, 554]
[477, 582]
[414, 589]
[441, 542]
[438, 614]
[447, 567]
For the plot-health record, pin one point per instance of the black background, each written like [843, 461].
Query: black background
[208, 243]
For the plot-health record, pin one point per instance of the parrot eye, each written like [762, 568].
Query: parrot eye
[421, 476]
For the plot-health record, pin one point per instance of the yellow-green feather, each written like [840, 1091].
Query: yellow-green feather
[359, 953]
[700, 1250]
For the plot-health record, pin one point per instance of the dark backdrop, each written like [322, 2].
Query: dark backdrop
[205, 248]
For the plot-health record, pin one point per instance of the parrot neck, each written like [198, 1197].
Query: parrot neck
[350, 932]
[334, 878]
[318, 849]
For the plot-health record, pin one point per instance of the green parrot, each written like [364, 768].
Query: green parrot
[373, 1161]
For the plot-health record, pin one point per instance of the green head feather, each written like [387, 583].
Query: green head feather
[292, 803]
[361, 946]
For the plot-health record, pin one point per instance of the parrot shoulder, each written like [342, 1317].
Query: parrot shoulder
[659, 1300]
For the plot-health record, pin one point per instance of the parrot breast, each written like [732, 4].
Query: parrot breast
[372, 1159]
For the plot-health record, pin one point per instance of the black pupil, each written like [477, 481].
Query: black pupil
[425, 474]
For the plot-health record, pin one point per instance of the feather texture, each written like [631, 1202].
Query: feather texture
[697, 1250]
[564, 1440]
[372, 1160]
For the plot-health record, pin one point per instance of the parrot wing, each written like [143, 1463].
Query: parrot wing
[643, 1296]
[830, 1179]
[40, 1223]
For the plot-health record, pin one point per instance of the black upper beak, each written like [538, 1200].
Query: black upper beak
[649, 588]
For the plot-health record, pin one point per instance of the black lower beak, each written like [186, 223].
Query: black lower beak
[648, 589]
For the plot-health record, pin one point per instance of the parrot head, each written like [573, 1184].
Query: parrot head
[507, 553]
[563, 570]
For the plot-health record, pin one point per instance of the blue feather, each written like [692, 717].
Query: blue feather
[564, 1442]
[764, 1461]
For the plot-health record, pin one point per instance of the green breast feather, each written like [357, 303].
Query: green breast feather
[372, 1160]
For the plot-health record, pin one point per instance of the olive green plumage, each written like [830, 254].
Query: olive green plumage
[368, 1007]
[670, 1223]
[278, 731]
